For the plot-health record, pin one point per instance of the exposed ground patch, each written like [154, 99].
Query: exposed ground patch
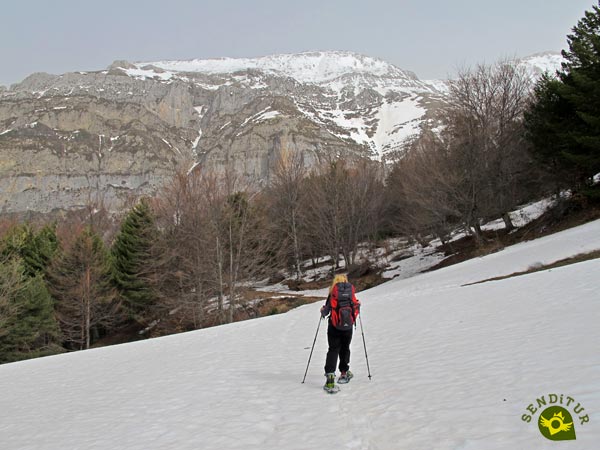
[563, 262]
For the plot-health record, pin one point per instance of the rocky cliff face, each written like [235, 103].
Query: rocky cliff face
[79, 137]
[68, 140]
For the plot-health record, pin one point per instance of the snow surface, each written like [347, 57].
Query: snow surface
[453, 367]
[524, 215]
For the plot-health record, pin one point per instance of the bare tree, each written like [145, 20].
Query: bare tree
[79, 281]
[181, 252]
[237, 224]
[484, 134]
[343, 206]
[422, 193]
[212, 241]
[285, 193]
[323, 208]
[214, 197]
[364, 194]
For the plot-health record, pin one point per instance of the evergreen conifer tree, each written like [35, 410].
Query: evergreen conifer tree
[27, 325]
[132, 260]
[40, 249]
[581, 88]
[35, 248]
[564, 118]
[548, 121]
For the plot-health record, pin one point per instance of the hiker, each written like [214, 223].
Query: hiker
[343, 308]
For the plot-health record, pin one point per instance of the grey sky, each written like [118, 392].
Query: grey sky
[431, 38]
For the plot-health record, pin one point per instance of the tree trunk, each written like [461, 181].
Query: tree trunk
[231, 275]
[88, 311]
[296, 248]
[478, 232]
[220, 294]
[508, 222]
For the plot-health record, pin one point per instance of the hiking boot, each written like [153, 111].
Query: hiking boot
[330, 383]
[345, 377]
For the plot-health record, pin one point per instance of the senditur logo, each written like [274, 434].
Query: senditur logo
[555, 422]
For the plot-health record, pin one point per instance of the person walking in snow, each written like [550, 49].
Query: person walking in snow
[343, 308]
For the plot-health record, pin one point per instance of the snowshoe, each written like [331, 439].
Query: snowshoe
[330, 386]
[333, 390]
[345, 377]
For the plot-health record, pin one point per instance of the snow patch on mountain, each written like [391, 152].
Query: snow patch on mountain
[143, 74]
[261, 116]
[397, 121]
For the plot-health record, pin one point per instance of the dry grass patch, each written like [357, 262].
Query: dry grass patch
[563, 262]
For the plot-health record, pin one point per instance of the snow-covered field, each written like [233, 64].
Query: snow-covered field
[453, 367]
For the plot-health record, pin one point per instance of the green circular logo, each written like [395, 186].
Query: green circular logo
[556, 424]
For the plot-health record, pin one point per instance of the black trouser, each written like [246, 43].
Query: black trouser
[339, 345]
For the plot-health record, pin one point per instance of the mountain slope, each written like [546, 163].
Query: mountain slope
[453, 366]
[350, 95]
[78, 138]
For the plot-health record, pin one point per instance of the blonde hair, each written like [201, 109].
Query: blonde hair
[339, 278]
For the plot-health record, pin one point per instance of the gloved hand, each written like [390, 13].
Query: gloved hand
[323, 313]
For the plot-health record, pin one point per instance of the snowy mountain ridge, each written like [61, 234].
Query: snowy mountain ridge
[307, 67]
[321, 67]
[68, 138]
[357, 98]
[363, 99]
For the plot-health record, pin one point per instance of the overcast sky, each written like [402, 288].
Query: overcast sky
[431, 38]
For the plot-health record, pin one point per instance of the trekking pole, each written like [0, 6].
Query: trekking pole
[364, 345]
[312, 348]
